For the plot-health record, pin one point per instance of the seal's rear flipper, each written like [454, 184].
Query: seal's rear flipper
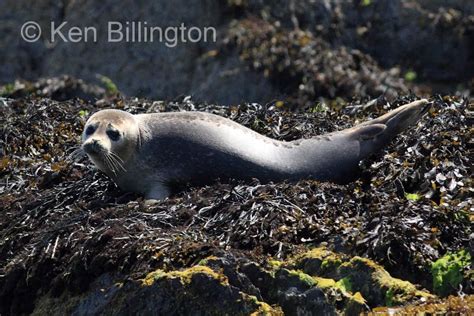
[376, 133]
[403, 116]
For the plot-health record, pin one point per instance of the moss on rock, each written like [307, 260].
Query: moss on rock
[200, 288]
[303, 277]
[185, 276]
[360, 275]
[319, 261]
[377, 285]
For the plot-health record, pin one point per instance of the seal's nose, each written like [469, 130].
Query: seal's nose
[92, 147]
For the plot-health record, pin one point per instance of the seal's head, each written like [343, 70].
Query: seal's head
[110, 138]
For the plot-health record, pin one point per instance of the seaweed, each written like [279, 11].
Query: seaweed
[64, 225]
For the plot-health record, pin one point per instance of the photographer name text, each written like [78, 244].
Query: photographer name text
[120, 32]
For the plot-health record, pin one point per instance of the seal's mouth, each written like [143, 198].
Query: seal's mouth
[104, 159]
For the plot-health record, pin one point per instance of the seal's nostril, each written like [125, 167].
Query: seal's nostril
[88, 147]
[92, 147]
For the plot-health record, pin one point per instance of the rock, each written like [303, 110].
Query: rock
[194, 291]
[364, 43]
[57, 88]
[72, 242]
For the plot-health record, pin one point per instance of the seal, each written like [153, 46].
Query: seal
[152, 153]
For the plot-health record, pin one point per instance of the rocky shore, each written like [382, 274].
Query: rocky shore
[398, 239]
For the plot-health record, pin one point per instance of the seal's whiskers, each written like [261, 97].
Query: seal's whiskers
[76, 155]
[118, 162]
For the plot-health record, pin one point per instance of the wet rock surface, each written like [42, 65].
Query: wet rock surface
[72, 241]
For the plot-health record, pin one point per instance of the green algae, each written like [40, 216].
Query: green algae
[305, 278]
[389, 297]
[205, 261]
[447, 271]
[7, 89]
[410, 75]
[83, 113]
[110, 86]
[412, 196]
[345, 284]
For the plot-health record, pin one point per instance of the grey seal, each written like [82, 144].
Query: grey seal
[151, 153]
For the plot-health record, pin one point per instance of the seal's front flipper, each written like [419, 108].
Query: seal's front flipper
[377, 133]
[158, 192]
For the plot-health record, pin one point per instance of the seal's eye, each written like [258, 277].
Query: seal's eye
[113, 135]
[90, 130]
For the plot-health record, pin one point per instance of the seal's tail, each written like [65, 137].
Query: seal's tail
[376, 133]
